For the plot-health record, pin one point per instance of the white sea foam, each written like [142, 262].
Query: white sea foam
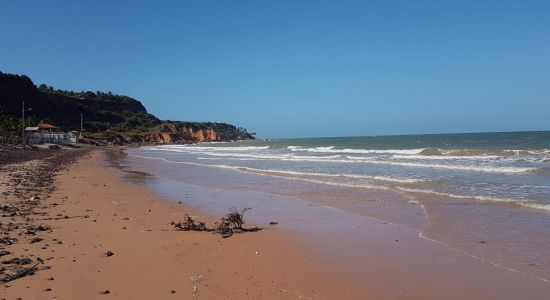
[525, 203]
[370, 160]
[483, 169]
[267, 173]
[446, 157]
[330, 149]
[312, 177]
[194, 148]
[271, 156]
[340, 175]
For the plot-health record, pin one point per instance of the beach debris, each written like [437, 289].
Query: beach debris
[20, 273]
[273, 223]
[232, 222]
[109, 253]
[28, 185]
[7, 240]
[196, 280]
[189, 224]
[33, 229]
[17, 261]
[235, 218]
[224, 228]
[105, 292]
[36, 240]
[61, 217]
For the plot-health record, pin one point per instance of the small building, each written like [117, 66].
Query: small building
[45, 133]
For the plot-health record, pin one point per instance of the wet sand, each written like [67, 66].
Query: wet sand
[151, 260]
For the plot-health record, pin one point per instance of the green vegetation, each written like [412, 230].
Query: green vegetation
[10, 125]
[99, 95]
[106, 116]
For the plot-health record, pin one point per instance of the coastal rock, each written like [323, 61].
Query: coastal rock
[175, 133]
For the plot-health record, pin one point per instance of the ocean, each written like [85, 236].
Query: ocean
[484, 194]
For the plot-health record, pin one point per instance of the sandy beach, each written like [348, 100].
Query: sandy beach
[275, 150]
[92, 211]
[90, 223]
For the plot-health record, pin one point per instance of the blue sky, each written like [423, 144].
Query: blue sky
[298, 68]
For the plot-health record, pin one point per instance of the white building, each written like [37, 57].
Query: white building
[45, 133]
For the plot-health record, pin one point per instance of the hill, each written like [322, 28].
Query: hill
[107, 116]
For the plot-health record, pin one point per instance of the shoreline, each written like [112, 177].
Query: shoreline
[150, 259]
[388, 259]
[99, 205]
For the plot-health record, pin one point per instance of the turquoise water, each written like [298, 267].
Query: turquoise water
[511, 168]
[499, 140]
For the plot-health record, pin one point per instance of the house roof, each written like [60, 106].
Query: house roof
[46, 126]
[31, 128]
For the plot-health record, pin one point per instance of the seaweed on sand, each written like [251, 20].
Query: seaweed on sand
[232, 222]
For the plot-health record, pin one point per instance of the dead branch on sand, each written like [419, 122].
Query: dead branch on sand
[231, 223]
[22, 273]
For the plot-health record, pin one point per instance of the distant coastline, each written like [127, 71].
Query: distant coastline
[106, 118]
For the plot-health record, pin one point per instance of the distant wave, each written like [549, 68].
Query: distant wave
[368, 160]
[247, 170]
[193, 148]
[273, 156]
[430, 152]
[330, 149]
[446, 157]
[470, 160]
[483, 169]
[482, 152]
[355, 176]
[524, 203]
[312, 178]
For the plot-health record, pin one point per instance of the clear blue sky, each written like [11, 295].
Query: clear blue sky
[298, 68]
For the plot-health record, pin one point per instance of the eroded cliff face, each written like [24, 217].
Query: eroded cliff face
[172, 133]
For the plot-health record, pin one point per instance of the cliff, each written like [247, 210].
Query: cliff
[107, 117]
[170, 133]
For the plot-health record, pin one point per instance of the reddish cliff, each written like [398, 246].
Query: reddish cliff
[175, 133]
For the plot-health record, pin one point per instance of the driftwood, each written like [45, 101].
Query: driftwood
[63, 217]
[231, 223]
[20, 274]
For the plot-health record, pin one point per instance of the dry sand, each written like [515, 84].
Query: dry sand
[151, 260]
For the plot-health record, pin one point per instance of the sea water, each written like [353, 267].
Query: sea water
[487, 194]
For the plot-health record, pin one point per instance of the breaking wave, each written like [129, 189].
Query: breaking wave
[483, 169]
[194, 148]
[525, 203]
[330, 149]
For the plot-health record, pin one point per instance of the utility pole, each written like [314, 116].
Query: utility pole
[23, 124]
[81, 126]
[23, 121]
